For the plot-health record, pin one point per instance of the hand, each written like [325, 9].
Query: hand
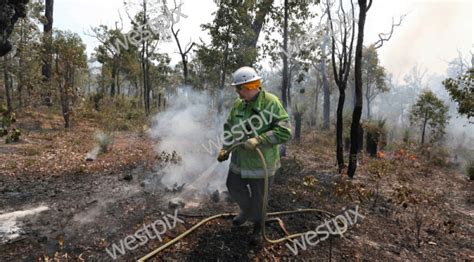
[223, 156]
[252, 143]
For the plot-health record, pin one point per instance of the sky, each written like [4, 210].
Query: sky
[431, 34]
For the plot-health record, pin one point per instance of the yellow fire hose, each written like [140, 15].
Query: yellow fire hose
[227, 215]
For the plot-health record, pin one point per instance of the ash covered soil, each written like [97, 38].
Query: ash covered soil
[414, 211]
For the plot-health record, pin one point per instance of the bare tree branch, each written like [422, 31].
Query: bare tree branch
[369, 5]
[383, 37]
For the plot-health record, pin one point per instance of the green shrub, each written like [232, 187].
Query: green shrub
[436, 155]
[3, 131]
[376, 136]
[6, 120]
[13, 136]
[119, 113]
[406, 136]
[104, 140]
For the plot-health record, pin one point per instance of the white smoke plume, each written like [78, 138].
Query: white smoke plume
[192, 128]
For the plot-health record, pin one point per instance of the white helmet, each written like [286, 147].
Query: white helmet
[244, 75]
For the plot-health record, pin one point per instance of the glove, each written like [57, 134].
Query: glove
[223, 156]
[252, 143]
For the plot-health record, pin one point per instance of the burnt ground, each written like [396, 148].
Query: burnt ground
[414, 210]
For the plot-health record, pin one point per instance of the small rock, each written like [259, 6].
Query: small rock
[176, 204]
[127, 177]
[215, 196]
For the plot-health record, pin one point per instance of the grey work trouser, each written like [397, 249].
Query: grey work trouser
[249, 201]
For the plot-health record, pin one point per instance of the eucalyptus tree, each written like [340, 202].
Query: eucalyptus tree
[234, 34]
[69, 56]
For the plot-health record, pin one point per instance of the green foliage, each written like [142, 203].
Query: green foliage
[436, 155]
[120, 113]
[13, 136]
[373, 75]
[376, 131]
[115, 59]
[380, 167]
[300, 44]
[430, 112]
[233, 34]
[376, 127]
[3, 132]
[69, 50]
[25, 59]
[406, 135]
[461, 91]
[6, 120]
[69, 55]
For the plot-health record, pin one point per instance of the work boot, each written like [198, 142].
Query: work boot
[256, 239]
[239, 219]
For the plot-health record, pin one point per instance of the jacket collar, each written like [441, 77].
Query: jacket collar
[257, 100]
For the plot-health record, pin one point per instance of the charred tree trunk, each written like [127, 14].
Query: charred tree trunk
[47, 34]
[327, 97]
[159, 101]
[314, 121]
[21, 63]
[298, 120]
[355, 126]
[341, 71]
[112, 83]
[185, 69]
[7, 83]
[145, 66]
[183, 53]
[289, 87]
[284, 85]
[360, 139]
[64, 80]
[146, 87]
[372, 142]
[424, 129]
[117, 81]
[339, 131]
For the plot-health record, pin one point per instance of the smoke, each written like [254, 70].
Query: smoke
[9, 228]
[432, 33]
[104, 141]
[192, 129]
[102, 200]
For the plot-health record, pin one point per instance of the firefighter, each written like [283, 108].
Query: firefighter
[258, 119]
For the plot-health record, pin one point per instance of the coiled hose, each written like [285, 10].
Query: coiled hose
[228, 215]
